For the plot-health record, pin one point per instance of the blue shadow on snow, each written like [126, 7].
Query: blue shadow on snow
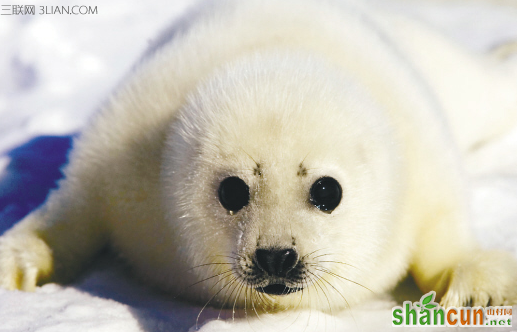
[34, 169]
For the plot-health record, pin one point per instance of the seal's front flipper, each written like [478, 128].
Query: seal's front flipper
[447, 261]
[53, 243]
[482, 278]
[24, 258]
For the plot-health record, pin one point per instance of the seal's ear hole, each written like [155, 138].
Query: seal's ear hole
[326, 194]
[234, 193]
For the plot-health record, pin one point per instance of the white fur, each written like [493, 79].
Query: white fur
[380, 103]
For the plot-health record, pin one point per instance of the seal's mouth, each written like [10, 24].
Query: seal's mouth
[277, 289]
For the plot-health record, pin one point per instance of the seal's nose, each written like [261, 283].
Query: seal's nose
[276, 262]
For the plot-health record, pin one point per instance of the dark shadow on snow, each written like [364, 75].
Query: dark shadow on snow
[33, 170]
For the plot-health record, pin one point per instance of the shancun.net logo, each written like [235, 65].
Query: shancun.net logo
[426, 312]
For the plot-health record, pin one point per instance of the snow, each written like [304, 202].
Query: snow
[57, 69]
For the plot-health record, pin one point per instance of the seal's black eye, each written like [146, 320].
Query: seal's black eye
[234, 194]
[325, 194]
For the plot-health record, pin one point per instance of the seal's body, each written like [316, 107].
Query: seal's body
[282, 154]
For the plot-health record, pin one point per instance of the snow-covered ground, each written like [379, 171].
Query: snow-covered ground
[56, 69]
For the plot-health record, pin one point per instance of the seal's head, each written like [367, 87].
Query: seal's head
[278, 176]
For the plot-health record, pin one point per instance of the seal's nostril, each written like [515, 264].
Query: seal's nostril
[276, 262]
[290, 258]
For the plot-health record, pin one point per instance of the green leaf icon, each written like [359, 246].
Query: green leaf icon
[427, 299]
[430, 306]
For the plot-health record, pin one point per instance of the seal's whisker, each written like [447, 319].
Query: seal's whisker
[337, 262]
[256, 163]
[335, 289]
[191, 285]
[236, 287]
[217, 275]
[303, 160]
[235, 302]
[310, 304]
[301, 295]
[246, 305]
[321, 255]
[237, 256]
[325, 292]
[258, 299]
[226, 298]
[207, 264]
[328, 301]
[313, 281]
[322, 269]
[318, 283]
[253, 296]
[307, 255]
[239, 289]
[342, 296]
[264, 301]
[297, 316]
[210, 300]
